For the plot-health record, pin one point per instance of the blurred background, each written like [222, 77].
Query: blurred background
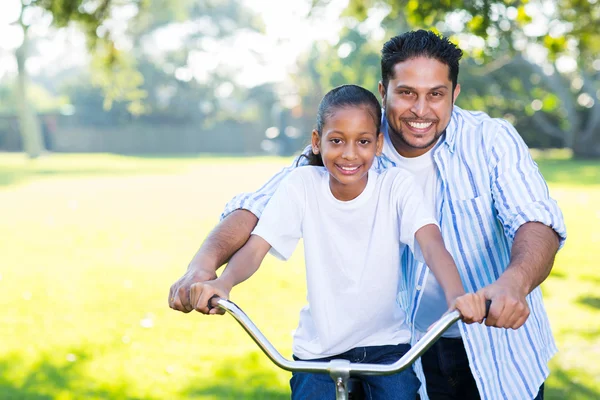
[126, 125]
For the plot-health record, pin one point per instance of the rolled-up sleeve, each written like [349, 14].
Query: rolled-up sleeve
[255, 202]
[520, 192]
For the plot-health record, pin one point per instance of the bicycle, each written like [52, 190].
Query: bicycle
[340, 371]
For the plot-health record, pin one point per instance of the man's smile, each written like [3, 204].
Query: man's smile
[419, 126]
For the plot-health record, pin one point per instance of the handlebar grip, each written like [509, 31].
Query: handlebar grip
[488, 304]
[210, 306]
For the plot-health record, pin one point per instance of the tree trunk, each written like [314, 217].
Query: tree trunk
[587, 143]
[588, 146]
[29, 125]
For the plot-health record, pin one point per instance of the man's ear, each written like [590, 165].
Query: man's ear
[381, 89]
[379, 144]
[315, 141]
[456, 92]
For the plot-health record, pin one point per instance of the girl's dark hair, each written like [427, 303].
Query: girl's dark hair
[344, 96]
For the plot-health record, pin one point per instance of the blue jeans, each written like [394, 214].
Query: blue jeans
[447, 372]
[400, 386]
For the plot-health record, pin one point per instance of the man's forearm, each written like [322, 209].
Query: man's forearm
[223, 241]
[532, 256]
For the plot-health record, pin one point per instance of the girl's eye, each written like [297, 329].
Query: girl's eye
[364, 141]
[336, 141]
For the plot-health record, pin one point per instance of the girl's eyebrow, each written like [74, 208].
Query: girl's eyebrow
[343, 133]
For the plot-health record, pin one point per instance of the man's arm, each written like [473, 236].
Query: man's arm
[532, 221]
[531, 261]
[237, 222]
[218, 247]
[242, 266]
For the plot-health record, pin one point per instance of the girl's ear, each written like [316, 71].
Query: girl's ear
[315, 141]
[379, 144]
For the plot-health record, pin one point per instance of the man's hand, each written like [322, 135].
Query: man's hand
[509, 307]
[179, 295]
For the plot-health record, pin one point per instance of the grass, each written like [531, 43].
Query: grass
[91, 243]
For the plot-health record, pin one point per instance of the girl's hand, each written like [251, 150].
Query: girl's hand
[471, 307]
[202, 292]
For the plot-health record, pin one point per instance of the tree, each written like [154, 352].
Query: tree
[88, 15]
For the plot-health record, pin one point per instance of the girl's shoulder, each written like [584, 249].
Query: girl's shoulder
[310, 171]
[395, 174]
[306, 174]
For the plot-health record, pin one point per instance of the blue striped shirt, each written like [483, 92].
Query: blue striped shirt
[490, 187]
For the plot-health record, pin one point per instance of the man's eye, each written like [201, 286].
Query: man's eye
[436, 94]
[405, 92]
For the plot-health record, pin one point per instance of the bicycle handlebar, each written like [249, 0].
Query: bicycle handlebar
[341, 368]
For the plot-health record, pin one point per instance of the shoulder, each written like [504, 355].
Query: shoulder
[471, 127]
[307, 173]
[396, 177]
[475, 121]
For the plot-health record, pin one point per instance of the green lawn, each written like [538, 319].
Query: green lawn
[89, 245]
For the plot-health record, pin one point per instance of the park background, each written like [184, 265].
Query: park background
[126, 125]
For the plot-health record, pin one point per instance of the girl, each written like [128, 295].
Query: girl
[355, 223]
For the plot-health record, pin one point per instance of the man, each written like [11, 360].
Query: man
[496, 217]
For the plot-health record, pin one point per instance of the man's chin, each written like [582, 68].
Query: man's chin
[420, 143]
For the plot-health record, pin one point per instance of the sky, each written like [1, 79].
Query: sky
[266, 58]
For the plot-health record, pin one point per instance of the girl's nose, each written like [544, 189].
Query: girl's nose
[349, 152]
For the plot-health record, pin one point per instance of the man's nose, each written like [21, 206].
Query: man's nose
[420, 107]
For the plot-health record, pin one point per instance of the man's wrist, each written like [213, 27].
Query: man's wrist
[514, 278]
[202, 270]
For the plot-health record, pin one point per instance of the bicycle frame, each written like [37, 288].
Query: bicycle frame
[339, 370]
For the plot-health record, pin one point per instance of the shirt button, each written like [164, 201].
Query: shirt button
[419, 287]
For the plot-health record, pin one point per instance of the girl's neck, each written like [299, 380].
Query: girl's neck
[347, 192]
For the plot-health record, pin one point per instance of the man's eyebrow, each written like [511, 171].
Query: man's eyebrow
[438, 87]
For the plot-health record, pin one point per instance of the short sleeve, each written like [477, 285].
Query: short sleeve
[281, 221]
[414, 211]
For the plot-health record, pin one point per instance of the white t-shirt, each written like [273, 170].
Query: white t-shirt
[352, 254]
[433, 301]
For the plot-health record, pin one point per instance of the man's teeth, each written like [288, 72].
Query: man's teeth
[420, 125]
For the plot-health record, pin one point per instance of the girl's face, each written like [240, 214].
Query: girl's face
[348, 146]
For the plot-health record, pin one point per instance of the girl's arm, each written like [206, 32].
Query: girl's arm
[441, 263]
[242, 266]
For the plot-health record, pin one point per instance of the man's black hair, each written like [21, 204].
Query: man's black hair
[420, 43]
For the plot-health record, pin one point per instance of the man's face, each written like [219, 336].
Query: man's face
[418, 104]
